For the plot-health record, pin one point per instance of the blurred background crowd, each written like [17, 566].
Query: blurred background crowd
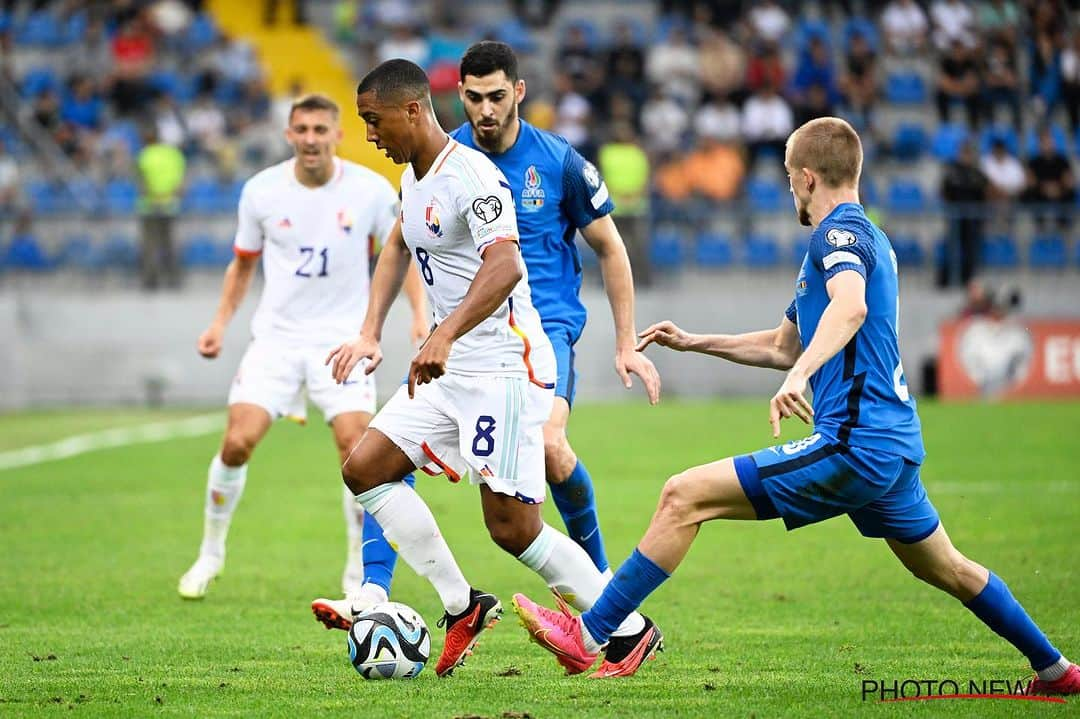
[117, 112]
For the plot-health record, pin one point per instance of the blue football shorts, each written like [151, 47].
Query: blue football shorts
[817, 478]
[563, 344]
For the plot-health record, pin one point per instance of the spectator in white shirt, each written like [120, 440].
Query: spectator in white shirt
[675, 65]
[905, 26]
[1005, 173]
[767, 121]
[954, 21]
[664, 122]
[769, 21]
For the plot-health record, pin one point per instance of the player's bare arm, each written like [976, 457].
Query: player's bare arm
[499, 273]
[777, 348]
[842, 318]
[386, 282]
[603, 237]
[237, 280]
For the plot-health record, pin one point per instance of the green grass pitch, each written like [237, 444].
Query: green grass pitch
[759, 622]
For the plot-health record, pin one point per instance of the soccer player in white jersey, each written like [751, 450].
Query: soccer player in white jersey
[482, 385]
[314, 220]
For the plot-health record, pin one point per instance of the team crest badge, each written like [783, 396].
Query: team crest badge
[532, 195]
[345, 220]
[431, 220]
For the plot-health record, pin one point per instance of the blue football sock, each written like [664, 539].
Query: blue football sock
[577, 505]
[999, 610]
[636, 579]
[379, 557]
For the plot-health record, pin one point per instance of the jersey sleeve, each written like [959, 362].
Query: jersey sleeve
[836, 248]
[249, 234]
[384, 214]
[792, 313]
[585, 194]
[485, 201]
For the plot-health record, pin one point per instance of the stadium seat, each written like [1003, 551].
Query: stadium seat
[515, 34]
[909, 251]
[81, 252]
[868, 191]
[762, 252]
[713, 249]
[38, 80]
[764, 195]
[204, 196]
[1031, 140]
[204, 252]
[948, 140]
[200, 34]
[120, 252]
[999, 252]
[25, 254]
[1048, 252]
[863, 27]
[120, 196]
[593, 35]
[905, 89]
[905, 197]
[180, 86]
[40, 29]
[46, 198]
[666, 250]
[1000, 132]
[809, 29]
[909, 141]
[798, 252]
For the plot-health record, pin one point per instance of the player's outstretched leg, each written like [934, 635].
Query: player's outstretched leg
[708, 492]
[937, 562]
[571, 486]
[225, 482]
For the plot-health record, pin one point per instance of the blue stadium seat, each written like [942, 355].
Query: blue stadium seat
[999, 252]
[907, 88]
[906, 197]
[81, 252]
[37, 80]
[808, 29]
[120, 196]
[1001, 132]
[204, 196]
[1031, 140]
[1048, 252]
[713, 249]
[763, 195]
[667, 23]
[948, 140]
[798, 252]
[515, 34]
[909, 251]
[868, 191]
[909, 141]
[25, 254]
[762, 251]
[593, 35]
[120, 252]
[666, 250]
[46, 198]
[180, 86]
[201, 252]
[200, 34]
[40, 29]
[861, 26]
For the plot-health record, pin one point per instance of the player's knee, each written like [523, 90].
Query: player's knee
[559, 459]
[511, 537]
[356, 476]
[675, 505]
[237, 448]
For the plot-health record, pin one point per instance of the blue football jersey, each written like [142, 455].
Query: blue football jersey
[556, 192]
[860, 395]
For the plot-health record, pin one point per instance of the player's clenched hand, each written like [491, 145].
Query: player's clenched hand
[346, 356]
[665, 334]
[627, 361]
[788, 401]
[209, 344]
[430, 361]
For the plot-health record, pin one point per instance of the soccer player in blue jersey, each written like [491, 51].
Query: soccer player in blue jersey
[839, 337]
[556, 193]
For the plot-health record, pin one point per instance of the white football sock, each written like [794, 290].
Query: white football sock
[1055, 671]
[410, 528]
[567, 569]
[224, 485]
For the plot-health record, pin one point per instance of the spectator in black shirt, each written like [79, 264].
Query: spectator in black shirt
[1050, 181]
[859, 83]
[1001, 83]
[963, 189]
[625, 67]
[958, 82]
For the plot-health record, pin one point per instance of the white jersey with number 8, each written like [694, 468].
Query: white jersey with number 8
[462, 206]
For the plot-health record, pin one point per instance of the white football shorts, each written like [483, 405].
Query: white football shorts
[491, 427]
[274, 375]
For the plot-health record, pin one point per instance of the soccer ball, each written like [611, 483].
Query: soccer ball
[389, 641]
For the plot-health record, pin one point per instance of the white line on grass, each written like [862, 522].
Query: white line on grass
[109, 438]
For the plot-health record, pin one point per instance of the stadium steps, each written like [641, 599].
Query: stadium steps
[289, 52]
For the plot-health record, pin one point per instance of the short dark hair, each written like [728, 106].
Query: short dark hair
[396, 80]
[312, 102]
[488, 56]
